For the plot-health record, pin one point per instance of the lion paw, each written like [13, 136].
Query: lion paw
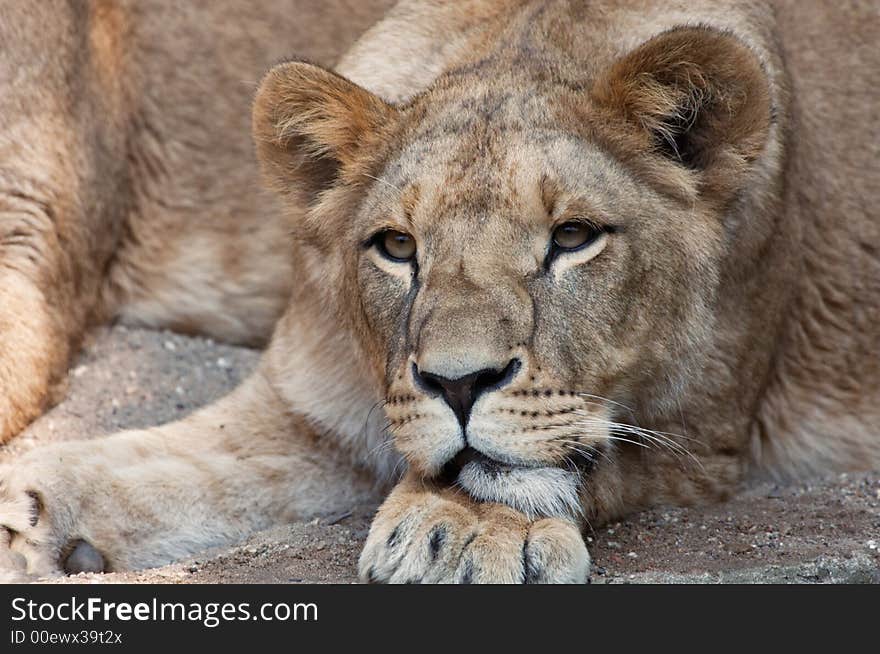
[37, 525]
[428, 538]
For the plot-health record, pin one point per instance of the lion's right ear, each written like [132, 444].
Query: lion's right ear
[311, 126]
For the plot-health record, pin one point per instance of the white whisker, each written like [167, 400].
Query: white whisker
[383, 181]
[606, 400]
[657, 438]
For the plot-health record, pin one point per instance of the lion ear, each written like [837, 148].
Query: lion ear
[697, 96]
[311, 125]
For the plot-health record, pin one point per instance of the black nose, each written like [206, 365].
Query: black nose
[461, 394]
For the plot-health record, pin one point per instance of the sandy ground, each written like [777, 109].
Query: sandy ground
[824, 531]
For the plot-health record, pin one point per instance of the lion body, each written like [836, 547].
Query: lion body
[739, 331]
[128, 187]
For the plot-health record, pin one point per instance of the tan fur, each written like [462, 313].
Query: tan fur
[724, 321]
[128, 186]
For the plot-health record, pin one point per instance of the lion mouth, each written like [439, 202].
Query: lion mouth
[536, 491]
[470, 456]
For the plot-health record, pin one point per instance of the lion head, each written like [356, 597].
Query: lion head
[515, 257]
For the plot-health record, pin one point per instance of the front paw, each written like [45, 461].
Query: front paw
[423, 536]
[38, 525]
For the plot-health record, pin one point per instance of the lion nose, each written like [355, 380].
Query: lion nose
[462, 393]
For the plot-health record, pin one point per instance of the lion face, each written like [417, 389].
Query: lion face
[520, 290]
[518, 273]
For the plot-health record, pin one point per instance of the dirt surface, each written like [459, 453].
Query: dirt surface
[823, 531]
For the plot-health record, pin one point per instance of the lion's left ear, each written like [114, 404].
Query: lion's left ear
[696, 95]
[311, 126]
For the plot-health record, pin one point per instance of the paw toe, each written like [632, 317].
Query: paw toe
[555, 553]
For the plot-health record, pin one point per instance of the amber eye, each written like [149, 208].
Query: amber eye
[573, 235]
[395, 245]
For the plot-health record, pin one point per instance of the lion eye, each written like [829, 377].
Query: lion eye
[574, 235]
[395, 245]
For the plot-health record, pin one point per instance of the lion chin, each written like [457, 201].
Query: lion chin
[537, 491]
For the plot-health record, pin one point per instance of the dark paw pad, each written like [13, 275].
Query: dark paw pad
[394, 537]
[533, 570]
[84, 558]
[436, 541]
[467, 574]
[36, 507]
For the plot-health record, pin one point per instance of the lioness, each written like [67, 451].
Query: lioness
[571, 258]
